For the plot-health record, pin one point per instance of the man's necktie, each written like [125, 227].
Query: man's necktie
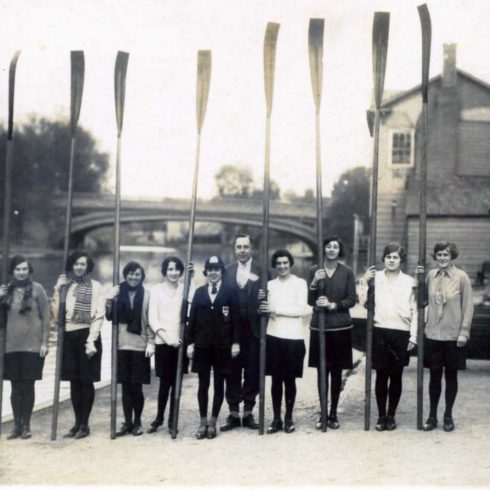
[214, 290]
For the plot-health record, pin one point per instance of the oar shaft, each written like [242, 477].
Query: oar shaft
[187, 283]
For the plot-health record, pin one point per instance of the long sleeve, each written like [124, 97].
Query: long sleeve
[466, 306]
[312, 293]
[55, 306]
[98, 308]
[350, 299]
[43, 304]
[414, 316]
[154, 321]
[145, 317]
[191, 326]
[235, 325]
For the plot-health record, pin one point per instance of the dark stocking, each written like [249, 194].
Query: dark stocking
[202, 393]
[276, 395]
[138, 401]
[16, 401]
[290, 395]
[381, 390]
[127, 403]
[27, 401]
[451, 376]
[76, 400]
[219, 393]
[87, 401]
[336, 377]
[434, 390]
[395, 390]
[163, 394]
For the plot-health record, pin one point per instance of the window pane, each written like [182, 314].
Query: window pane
[401, 148]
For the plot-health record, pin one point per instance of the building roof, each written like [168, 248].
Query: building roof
[459, 196]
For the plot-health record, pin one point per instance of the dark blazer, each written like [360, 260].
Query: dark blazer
[252, 288]
[208, 325]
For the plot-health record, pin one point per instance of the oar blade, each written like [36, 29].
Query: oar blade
[12, 70]
[315, 49]
[203, 83]
[426, 26]
[381, 28]
[270, 43]
[120, 87]
[77, 78]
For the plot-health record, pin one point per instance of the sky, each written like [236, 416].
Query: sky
[163, 37]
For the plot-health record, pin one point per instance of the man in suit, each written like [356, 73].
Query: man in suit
[243, 383]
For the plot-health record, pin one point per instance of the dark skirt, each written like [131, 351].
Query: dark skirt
[133, 367]
[338, 349]
[218, 358]
[76, 365]
[390, 348]
[284, 357]
[166, 358]
[20, 366]
[444, 353]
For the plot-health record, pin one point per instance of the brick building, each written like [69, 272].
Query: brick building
[458, 166]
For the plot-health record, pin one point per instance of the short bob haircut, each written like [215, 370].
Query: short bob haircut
[394, 247]
[335, 238]
[78, 254]
[166, 262]
[243, 235]
[443, 245]
[282, 252]
[131, 267]
[19, 259]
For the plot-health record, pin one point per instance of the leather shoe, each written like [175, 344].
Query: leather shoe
[381, 424]
[72, 432]
[211, 432]
[448, 424]
[231, 423]
[137, 430]
[276, 425]
[332, 422]
[26, 432]
[249, 422]
[83, 432]
[125, 429]
[154, 426]
[390, 423]
[318, 425]
[430, 424]
[289, 426]
[16, 433]
[201, 432]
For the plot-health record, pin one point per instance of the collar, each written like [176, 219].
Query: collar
[218, 285]
[448, 272]
[383, 277]
[246, 265]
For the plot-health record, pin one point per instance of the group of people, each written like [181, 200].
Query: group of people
[222, 335]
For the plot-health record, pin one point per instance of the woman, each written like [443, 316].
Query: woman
[26, 307]
[286, 304]
[395, 332]
[82, 347]
[135, 344]
[337, 283]
[450, 312]
[165, 318]
[213, 336]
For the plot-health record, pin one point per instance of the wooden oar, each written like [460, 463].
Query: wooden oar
[381, 27]
[119, 93]
[7, 204]
[315, 48]
[270, 43]
[426, 44]
[202, 92]
[77, 78]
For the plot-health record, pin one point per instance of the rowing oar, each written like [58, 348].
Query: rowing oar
[381, 27]
[426, 42]
[77, 77]
[119, 93]
[270, 43]
[202, 92]
[7, 204]
[315, 48]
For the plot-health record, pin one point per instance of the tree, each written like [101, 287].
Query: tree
[40, 166]
[234, 181]
[274, 194]
[350, 195]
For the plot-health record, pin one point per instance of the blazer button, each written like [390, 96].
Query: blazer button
[212, 307]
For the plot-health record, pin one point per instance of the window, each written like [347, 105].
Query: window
[402, 147]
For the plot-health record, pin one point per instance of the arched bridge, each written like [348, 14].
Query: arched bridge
[94, 211]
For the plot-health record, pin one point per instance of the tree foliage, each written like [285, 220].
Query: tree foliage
[234, 181]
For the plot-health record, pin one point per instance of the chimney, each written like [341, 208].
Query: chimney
[449, 69]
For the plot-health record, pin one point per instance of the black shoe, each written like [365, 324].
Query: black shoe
[318, 425]
[332, 422]
[211, 432]
[72, 432]
[137, 430]
[381, 424]
[448, 424]
[124, 430]
[154, 426]
[15, 434]
[83, 432]
[390, 423]
[276, 426]
[231, 423]
[249, 422]
[430, 424]
[289, 426]
[202, 432]
[26, 432]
